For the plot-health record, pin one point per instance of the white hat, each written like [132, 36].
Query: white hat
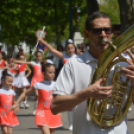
[70, 41]
[40, 50]
[49, 61]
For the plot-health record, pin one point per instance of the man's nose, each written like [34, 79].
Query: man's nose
[103, 34]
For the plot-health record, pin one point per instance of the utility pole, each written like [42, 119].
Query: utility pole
[70, 20]
[56, 20]
[0, 34]
[0, 38]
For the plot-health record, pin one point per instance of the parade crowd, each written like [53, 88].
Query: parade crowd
[72, 74]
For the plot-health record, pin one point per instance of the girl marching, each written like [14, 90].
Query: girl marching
[3, 63]
[70, 53]
[7, 119]
[37, 73]
[21, 81]
[44, 119]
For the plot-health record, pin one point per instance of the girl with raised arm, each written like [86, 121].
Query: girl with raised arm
[69, 50]
[21, 81]
[37, 73]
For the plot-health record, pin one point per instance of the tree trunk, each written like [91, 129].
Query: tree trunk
[92, 6]
[56, 22]
[126, 14]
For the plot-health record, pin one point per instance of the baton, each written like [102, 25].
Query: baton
[41, 34]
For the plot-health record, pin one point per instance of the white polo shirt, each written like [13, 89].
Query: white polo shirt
[75, 76]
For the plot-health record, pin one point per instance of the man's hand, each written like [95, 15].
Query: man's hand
[129, 72]
[99, 92]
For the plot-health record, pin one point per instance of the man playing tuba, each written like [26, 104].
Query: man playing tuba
[72, 88]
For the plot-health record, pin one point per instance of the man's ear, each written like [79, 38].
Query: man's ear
[86, 34]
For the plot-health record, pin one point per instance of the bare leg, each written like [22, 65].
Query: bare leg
[36, 95]
[45, 130]
[19, 91]
[4, 129]
[9, 130]
[24, 90]
[35, 101]
[52, 130]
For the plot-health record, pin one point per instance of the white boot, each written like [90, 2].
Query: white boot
[26, 104]
[22, 105]
[70, 120]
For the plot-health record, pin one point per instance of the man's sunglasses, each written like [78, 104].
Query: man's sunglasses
[96, 31]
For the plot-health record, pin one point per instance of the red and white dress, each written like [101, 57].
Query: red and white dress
[37, 73]
[21, 81]
[13, 73]
[2, 64]
[43, 116]
[6, 101]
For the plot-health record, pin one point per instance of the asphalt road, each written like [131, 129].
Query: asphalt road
[27, 125]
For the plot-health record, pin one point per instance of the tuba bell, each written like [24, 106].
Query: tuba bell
[111, 63]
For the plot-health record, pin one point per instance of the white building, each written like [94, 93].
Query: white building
[25, 47]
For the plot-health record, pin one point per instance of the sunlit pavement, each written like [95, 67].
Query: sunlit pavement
[27, 125]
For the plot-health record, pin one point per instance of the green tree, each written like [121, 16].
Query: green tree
[21, 19]
[126, 14]
[111, 7]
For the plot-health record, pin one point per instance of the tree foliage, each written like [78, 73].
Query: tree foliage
[21, 19]
[111, 7]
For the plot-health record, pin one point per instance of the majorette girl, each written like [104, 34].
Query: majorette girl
[70, 50]
[21, 81]
[7, 119]
[37, 73]
[3, 63]
[44, 119]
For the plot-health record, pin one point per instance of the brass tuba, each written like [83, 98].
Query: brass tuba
[111, 57]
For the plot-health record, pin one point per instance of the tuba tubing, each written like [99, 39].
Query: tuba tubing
[105, 63]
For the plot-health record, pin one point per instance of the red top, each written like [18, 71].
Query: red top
[2, 63]
[21, 68]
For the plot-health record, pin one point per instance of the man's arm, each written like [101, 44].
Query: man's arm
[66, 102]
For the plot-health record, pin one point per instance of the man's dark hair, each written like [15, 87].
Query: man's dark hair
[94, 16]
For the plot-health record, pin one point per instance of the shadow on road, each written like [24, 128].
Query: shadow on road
[132, 119]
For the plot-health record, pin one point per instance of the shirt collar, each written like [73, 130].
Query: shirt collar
[88, 58]
[47, 82]
[5, 88]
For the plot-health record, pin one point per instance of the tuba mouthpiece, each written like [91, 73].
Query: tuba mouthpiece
[104, 41]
